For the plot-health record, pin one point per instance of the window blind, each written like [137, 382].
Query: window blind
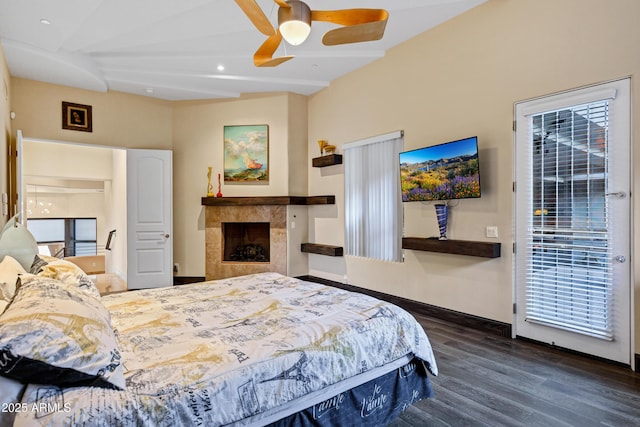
[373, 204]
[569, 277]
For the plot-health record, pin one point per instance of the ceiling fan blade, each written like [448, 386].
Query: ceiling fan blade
[348, 17]
[359, 25]
[257, 16]
[355, 34]
[282, 3]
[264, 55]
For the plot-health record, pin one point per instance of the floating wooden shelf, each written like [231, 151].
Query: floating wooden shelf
[314, 248]
[328, 160]
[268, 200]
[459, 247]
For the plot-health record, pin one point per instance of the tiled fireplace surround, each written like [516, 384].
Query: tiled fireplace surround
[287, 218]
[215, 217]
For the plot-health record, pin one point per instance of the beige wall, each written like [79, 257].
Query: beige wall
[197, 144]
[457, 80]
[5, 127]
[297, 153]
[72, 161]
[193, 130]
[119, 119]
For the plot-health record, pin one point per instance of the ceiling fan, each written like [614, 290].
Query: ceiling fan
[294, 25]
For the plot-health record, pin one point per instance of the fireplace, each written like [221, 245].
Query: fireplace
[274, 227]
[238, 237]
[246, 241]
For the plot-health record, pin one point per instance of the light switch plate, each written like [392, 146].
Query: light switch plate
[492, 231]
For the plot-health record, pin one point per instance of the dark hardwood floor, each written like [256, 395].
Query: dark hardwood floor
[487, 380]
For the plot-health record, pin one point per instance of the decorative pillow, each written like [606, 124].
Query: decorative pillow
[65, 271]
[18, 242]
[39, 261]
[9, 271]
[10, 392]
[57, 334]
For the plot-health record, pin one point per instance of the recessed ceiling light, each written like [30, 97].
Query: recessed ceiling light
[45, 21]
[149, 90]
[220, 67]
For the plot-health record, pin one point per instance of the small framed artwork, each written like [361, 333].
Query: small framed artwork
[246, 154]
[76, 117]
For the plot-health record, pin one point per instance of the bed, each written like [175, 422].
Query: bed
[261, 349]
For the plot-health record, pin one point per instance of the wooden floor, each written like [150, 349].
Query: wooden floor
[487, 380]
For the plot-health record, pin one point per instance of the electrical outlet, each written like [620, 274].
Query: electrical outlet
[492, 231]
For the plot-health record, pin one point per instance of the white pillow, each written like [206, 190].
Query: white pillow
[9, 271]
[57, 334]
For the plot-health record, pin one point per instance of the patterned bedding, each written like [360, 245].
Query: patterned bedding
[224, 351]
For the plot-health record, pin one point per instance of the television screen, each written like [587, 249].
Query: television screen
[441, 172]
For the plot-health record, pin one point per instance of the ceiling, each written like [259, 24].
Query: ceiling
[172, 50]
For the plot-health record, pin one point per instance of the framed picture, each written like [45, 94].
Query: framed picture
[246, 154]
[76, 117]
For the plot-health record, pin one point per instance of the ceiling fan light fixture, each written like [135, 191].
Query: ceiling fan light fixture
[294, 22]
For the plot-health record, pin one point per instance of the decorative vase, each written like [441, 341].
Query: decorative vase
[219, 192]
[442, 212]
[209, 186]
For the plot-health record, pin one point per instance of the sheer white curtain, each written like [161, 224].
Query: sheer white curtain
[373, 203]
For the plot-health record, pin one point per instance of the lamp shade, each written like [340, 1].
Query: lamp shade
[17, 242]
[294, 22]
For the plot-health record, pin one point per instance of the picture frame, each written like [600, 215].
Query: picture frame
[76, 117]
[246, 154]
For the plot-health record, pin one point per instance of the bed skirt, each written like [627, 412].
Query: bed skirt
[374, 403]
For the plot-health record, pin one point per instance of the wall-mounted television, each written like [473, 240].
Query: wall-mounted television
[441, 172]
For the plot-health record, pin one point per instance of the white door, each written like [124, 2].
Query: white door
[572, 280]
[149, 219]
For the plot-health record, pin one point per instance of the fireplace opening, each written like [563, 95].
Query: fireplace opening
[245, 241]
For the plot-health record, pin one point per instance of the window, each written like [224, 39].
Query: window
[65, 236]
[569, 237]
[373, 205]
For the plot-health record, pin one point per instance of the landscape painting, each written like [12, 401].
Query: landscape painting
[246, 154]
[441, 172]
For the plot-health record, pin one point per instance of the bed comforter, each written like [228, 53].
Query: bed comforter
[220, 352]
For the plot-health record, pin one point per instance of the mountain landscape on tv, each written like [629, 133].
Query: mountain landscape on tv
[445, 178]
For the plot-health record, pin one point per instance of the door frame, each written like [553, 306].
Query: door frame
[629, 291]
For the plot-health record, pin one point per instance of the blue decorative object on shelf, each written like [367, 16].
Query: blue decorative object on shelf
[442, 213]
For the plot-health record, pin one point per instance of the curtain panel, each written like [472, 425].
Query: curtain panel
[373, 204]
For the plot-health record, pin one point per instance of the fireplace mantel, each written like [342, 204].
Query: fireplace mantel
[268, 201]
